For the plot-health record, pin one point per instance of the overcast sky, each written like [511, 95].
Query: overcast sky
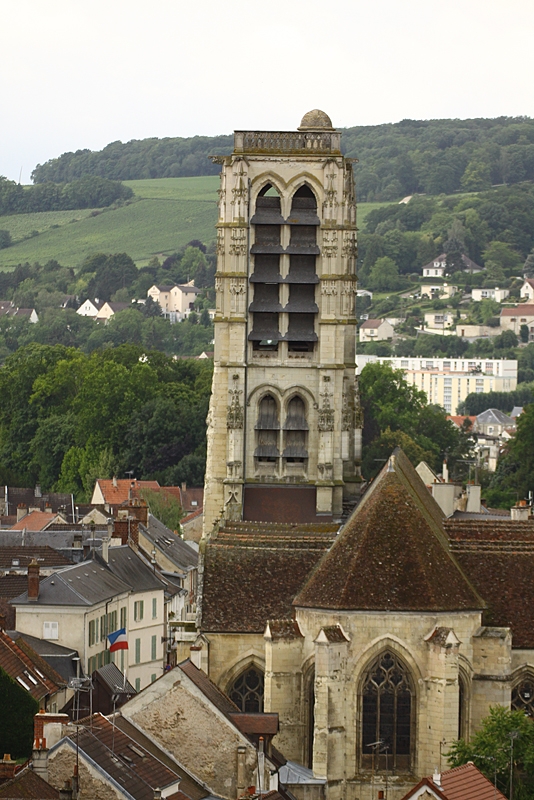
[82, 74]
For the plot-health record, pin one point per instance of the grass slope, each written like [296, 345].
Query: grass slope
[166, 214]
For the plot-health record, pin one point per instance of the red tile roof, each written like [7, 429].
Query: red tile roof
[22, 669]
[521, 310]
[116, 491]
[468, 782]
[28, 785]
[34, 521]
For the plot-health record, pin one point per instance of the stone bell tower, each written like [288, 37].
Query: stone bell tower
[284, 434]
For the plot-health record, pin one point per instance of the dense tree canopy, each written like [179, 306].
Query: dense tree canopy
[89, 191]
[67, 418]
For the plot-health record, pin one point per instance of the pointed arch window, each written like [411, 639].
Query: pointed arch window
[267, 430]
[295, 431]
[387, 714]
[523, 696]
[247, 691]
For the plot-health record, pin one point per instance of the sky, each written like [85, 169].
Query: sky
[77, 75]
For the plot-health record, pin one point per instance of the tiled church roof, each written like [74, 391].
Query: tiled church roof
[392, 554]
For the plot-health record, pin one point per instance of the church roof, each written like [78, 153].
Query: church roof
[392, 553]
[252, 572]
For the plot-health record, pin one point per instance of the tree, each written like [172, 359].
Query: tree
[503, 254]
[504, 745]
[5, 239]
[524, 333]
[454, 247]
[384, 276]
[164, 507]
[477, 177]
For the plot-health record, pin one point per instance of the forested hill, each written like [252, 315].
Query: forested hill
[397, 159]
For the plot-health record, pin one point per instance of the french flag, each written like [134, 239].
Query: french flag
[118, 640]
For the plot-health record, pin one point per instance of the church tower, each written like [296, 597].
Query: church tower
[284, 433]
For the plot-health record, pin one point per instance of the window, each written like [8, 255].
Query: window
[295, 432]
[138, 651]
[50, 630]
[153, 677]
[123, 617]
[139, 610]
[387, 694]
[138, 684]
[154, 608]
[247, 691]
[153, 648]
[523, 697]
[112, 622]
[267, 431]
[103, 628]
[92, 632]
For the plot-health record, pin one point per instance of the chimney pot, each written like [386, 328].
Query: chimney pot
[33, 581]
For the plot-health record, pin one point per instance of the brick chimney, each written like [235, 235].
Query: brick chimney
[8, 768]
[33, 581]
[128, 530]
[21, 511]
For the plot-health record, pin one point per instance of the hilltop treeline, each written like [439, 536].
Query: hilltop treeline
[397, 159]
[90, 191]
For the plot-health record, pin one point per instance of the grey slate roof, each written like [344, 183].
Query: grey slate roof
[494, 416]
[60, 658]
[130, 568]
[84, 584]
[114, 678]
[174, 548]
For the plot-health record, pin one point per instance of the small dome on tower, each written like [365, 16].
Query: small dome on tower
[316, 120]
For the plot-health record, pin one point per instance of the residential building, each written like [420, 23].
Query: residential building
[477, 295]
[467, 331]
[109, 309]
[448, 381]
[16, 502]
[512, 319]
[30, 675]
[114, 492]
[435, 269]
[37, 520]
[376, 330]
[90, 308]
[176, 300]
[438, 291]
[439, 321]
[527, 290]
[9, 309]
[80, 605]
[461, 782]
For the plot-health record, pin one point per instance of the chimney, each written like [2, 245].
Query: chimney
[157, 794]
[8, 768]
[66, 792]
[436, 778]
[21, 511]
[115, 481]
[105, 549]
[520, 512]
[40, 760]
[33, 581]
[184, 487]
[445, 472]
[37, 491]
[48, 508]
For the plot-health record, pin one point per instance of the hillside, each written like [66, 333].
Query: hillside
[165, 214]
[397, 159]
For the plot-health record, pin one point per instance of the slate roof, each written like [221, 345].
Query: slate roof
[494, 416]
[26, 670]
[252, 572]
[392, 554]
[115, 680]
[58, 657]
[35, 498]
[172, 546]
[371, 323]
[13, 585]
[498, 556]
[28, 785]
[125, 564]
[124, 760]
[45, 556]
[84, 584]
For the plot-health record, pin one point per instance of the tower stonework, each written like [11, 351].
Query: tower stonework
[284, 434]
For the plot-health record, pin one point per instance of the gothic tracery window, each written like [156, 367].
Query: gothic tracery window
[387, 698]
[247, 691]
[523, 697]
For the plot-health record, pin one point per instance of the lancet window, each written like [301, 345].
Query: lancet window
[523, 696]
[247, 691]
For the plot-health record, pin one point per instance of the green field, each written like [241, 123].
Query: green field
[166, 214]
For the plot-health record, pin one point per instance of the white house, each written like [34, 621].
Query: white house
[512, 319]
[434, 269]
[438, 290]
[489, 294]
[90, 308]
[376, 330]
[527, 290]
[439, 321]
[176, 301]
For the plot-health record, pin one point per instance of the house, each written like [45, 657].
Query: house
[527, 290]
[434, 269]
[110, 690]
[438, 291]
[90, 308]
[461, 782]
[115, 491]
[109, 309]
[439, 321]
[477, 295]
[16, 501]
[80, 605]
[27, 785]
[376, 330]
[30, 675]
[37, 520]
[513, 319]
[9, 309]
[176, 301]
[468, 331]
[63, 660]
[15, 559]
